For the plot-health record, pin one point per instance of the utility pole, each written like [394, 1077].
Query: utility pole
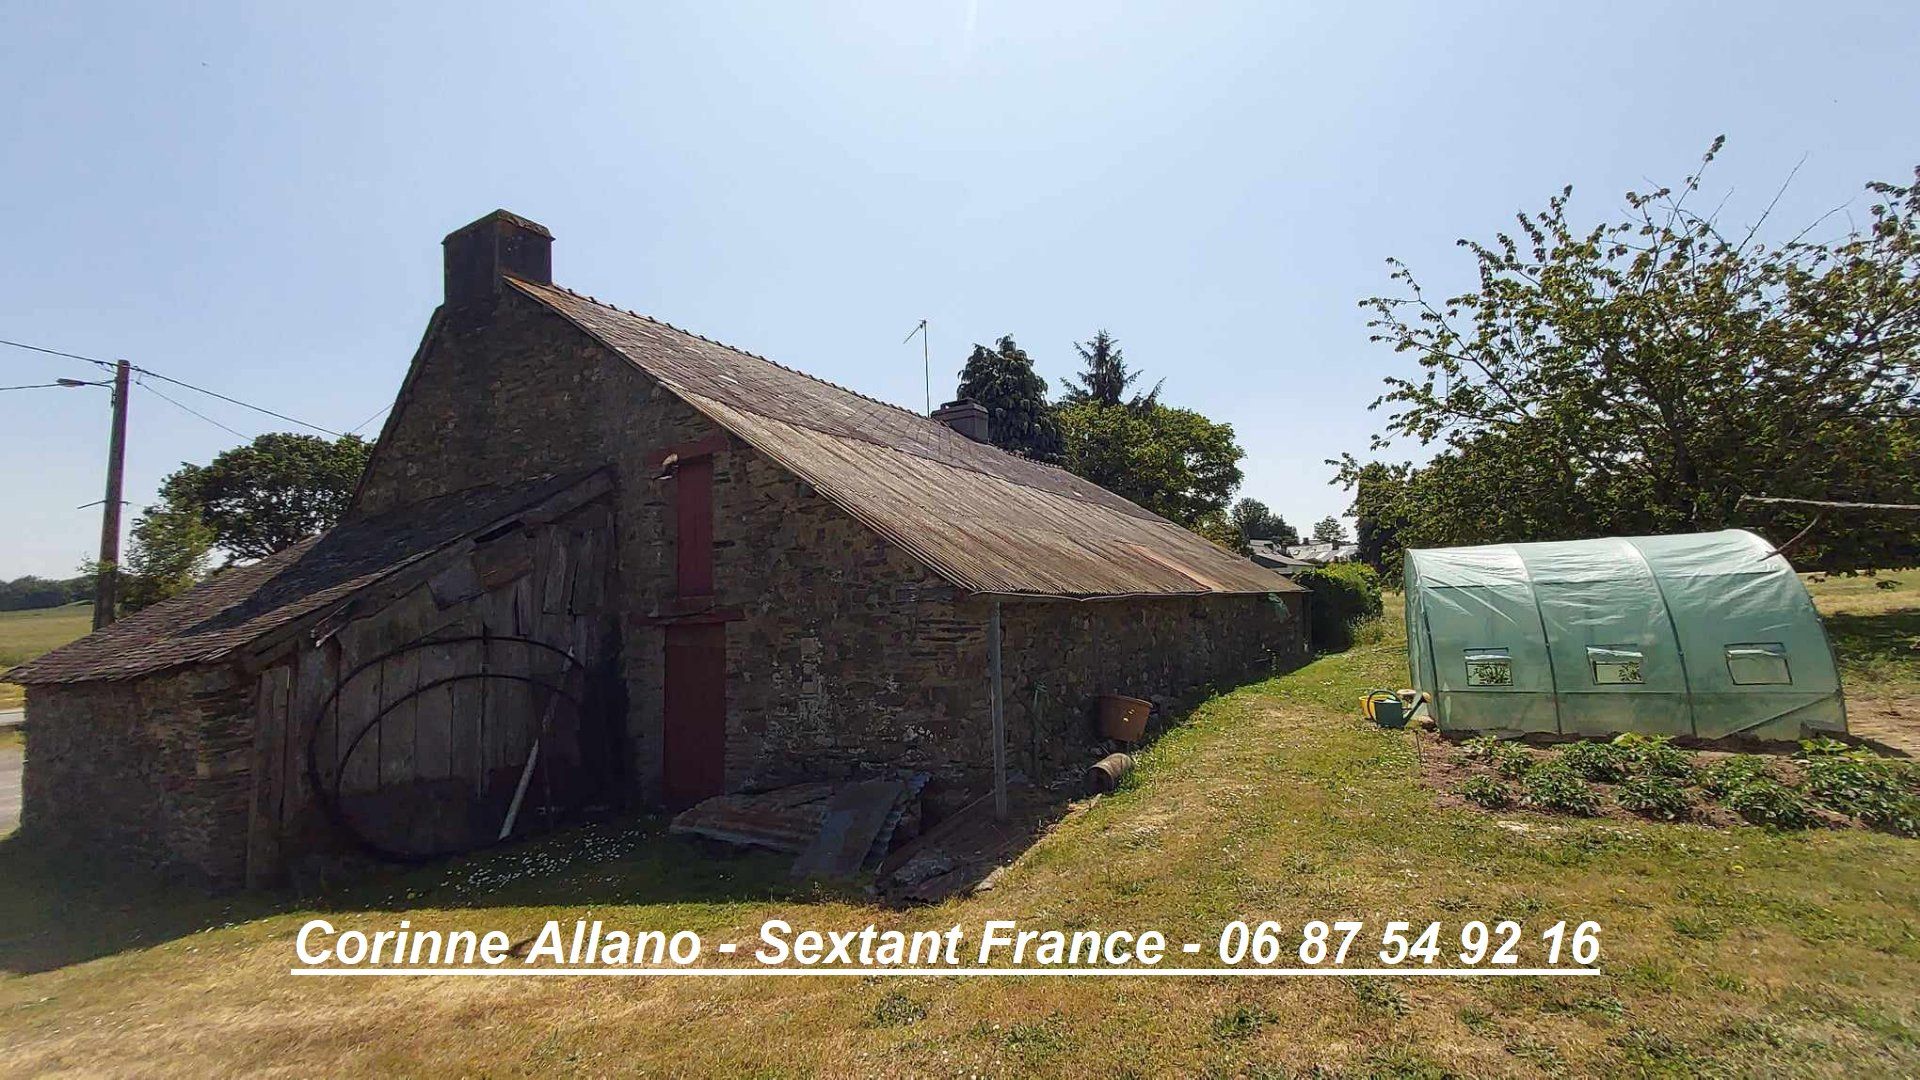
[926, 361]
[105, 589]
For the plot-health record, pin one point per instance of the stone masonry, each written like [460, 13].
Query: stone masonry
[152, 771]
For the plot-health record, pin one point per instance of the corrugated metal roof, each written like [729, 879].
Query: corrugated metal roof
[987, 520]
[242, 604]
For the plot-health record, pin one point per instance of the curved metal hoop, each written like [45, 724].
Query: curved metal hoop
[329, 791]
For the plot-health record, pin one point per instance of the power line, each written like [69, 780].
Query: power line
[56, 352]
[187, 410]
[355, 429]
[176, 382]
[237, 401]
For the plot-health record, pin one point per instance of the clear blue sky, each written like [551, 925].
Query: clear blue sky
[252, 199]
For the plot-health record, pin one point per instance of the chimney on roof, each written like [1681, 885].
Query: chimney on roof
[966, 416]
[498, 245]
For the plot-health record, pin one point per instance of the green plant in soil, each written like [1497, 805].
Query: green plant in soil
[1487, 791]
[1481, 748]
[1512, 761]
[1727, 775]
[1552, 786]
[1600, 761]
[1654, 755]
[1770, 803]
[1859, 784]
[1656, 796]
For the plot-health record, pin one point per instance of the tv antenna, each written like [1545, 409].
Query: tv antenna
[926, 360]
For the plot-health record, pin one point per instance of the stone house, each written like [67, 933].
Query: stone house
[599, 561]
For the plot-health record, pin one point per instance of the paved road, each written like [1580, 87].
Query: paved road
[10, 758]
[12, 717]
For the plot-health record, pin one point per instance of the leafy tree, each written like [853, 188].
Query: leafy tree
[277, 490]
[1002, 379]
[1255, 522]
[1328, 530]
[1174, 462]
[1104, 377]
[1214, 526]
[1378, 491]
[1642, 375]
[30, 592]
[170, 549]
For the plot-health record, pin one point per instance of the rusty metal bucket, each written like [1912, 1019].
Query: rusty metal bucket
[1123, 718]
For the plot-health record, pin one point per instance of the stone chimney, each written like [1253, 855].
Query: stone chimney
[966, 416]
[499, 244]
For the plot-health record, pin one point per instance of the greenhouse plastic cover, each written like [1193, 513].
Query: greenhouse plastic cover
[1703, 634]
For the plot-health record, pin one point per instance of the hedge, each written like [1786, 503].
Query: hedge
[1344, 595]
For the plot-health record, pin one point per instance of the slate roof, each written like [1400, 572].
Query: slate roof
[241, 604]
[987, 520]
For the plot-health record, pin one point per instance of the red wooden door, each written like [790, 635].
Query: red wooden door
[694, 745]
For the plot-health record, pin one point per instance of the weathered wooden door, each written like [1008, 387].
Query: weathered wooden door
[694, 742]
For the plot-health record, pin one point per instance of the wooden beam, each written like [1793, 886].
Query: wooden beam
[710, 615]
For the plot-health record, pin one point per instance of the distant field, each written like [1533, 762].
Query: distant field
[27, 634]
[1874, 623]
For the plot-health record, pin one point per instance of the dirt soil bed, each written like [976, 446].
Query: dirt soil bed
[1890, 724]
[1445, 767]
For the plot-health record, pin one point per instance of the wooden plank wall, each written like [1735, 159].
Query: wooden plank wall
[441, 754]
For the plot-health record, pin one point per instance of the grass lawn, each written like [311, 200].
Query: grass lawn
[1874, 629]
[27, 634]
[1735, 951]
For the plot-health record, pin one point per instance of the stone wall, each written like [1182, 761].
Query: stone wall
[512, 392]
[1058, 657]
[153, 771]
[852, 655]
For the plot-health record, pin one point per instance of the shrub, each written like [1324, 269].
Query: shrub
[1727, 775]
[1771, 803]
[1656, 796]
[1344, 595]
[1654, 755]
[1488, 792]
[1553, 786]
[1598, 761]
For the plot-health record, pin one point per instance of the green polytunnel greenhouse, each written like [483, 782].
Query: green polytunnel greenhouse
[1705, 634]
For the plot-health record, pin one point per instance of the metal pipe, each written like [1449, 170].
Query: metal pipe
[999, 715]
[1105, 775]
